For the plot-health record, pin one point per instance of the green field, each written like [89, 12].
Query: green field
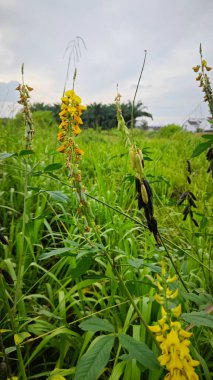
[76, 299]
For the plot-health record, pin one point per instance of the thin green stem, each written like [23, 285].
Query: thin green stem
[133, 219]
[14, 328]
[133, 102]
[21, 253]
[174, 265]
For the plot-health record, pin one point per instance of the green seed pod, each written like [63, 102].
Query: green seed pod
[144, 194]
[138, 166]
[132, 157]
[141, 156]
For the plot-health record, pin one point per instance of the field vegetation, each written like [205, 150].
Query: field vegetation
[106, 244]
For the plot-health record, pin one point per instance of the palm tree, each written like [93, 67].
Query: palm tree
[134, 111]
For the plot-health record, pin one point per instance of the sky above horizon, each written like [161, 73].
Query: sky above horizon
[116, 34]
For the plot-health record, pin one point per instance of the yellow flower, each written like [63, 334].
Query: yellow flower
[176, 311]
[64, 112]
[60, 136]
[172, 339]
[76, 130]
[72, 110]
[159, 299]
[81, 108]
[185, 334]
[61, 149]
[63, 125]
[79, 151]
[196, 68]
[155, 328]
[172, 295]
[171, 279]
[77, 119]
[71, 94]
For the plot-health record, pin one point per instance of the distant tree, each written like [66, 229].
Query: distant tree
[98, 115]
[54, 108]
[104, 115]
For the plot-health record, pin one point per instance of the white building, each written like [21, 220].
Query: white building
[197, 124]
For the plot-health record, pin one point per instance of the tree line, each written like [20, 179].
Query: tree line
[98, 115]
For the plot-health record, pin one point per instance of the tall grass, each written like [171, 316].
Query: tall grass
[75, 302]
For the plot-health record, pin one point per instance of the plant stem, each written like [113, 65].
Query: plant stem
[139, 79]
[13, 326]
[21, 253]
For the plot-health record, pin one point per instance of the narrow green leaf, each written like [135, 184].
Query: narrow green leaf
[45, 341]
[58, 196]
[118, 370]
[20, 337]
[52, 167]
[25, 152]
[203, 363]
[95, 359]
[82, 267]
[198, 318]
[8, 350]
[96, 324]
[6, 155]
[139, 351]
[200, 148]
[56, 252]
[208, 137]
[139, 263]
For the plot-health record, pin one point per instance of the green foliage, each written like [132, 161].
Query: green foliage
[70, 294]
[95, 359]
[169, 130]
[97, 115]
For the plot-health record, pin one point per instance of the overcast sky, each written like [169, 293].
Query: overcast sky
[116, 33]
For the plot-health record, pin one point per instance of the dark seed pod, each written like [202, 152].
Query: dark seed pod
[192, 195]
[189, 179]
[209, 154]
[150, 196]
[186, 211]
[191, 202]
[185, 216]
[189, 166]
[183, 196]
[210, 168]
[181, 201]
[137, 185]
[154, 226]
[195, 222]
[140, 202]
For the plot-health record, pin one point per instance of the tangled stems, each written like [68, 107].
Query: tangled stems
[143, 189]
[70, 115]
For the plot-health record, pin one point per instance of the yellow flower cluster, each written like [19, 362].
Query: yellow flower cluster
[173, 340]
[70, 115]
[203, 78]
[69, 129]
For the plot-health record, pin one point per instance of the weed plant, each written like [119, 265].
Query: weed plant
[78, 293]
